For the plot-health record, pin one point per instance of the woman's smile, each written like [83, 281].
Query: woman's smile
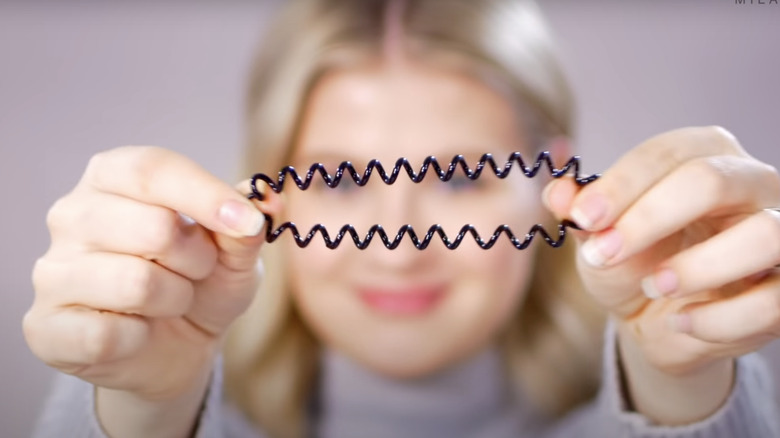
[410, 300]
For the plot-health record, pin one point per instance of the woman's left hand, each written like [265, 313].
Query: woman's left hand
[680, 243]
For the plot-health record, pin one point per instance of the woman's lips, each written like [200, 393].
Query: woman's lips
[402, 301]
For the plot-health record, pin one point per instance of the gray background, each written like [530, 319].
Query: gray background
[79, 77]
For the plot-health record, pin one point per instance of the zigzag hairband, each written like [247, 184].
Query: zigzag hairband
[444, 174]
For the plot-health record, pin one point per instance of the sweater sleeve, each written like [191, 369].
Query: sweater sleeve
[70, 411]
[750, 411]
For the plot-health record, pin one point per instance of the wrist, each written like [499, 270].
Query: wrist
[127, 414]
[669, 398]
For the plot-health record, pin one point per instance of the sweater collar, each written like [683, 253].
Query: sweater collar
[470, 399]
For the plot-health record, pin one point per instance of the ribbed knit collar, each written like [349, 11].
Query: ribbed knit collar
[470, 399]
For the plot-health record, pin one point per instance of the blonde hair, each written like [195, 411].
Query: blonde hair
[552, 346]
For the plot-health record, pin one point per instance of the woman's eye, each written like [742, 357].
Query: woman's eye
[345, 186]
[461, 183]
[321, 186]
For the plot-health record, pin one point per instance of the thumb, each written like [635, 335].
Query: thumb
[558, 197]
[230, 288]
[240, 253]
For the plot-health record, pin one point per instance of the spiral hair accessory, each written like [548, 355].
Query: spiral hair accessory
[444, 174]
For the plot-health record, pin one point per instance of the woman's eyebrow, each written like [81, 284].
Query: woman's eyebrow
[471, 151]
[325, 157]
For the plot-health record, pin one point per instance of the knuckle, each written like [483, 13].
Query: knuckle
[722, 133]
[60, 215]
[160, 234]
[712, 174]
[771, 180]
[130, 164]
[715, 137]
[30, 330]
[141, 165]
[139, 286]
[769, 231]
[35, 333]
[95, 163]
[96, 172]
[71, 215]
[664, 149]
[771, 171]
[40, 275]
[719, 136]
[674, 147]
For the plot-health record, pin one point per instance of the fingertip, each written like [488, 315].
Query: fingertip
[663, 282]
[241, 217]
[558, 196]
[589, 210]
[649, 288]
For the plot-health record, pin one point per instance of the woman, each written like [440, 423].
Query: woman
[143, 280]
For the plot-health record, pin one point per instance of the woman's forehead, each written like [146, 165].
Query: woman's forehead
[413, 110]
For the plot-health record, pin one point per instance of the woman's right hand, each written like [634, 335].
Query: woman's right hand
[132, 295]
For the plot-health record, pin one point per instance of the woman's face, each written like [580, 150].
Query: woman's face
[407, 312]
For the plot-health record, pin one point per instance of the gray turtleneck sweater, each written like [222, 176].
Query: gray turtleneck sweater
[471, 400]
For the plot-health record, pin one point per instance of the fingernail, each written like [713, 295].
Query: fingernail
[546, 195]
[599, 249]
[679, 322]
[186, 220]
[260, 267]
[589, 210]
[660, 284]
[244, 219]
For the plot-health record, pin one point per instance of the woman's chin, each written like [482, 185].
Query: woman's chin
[407, 360]
[403, 368]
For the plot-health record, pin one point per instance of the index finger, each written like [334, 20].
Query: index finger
[161, 177]
[599, 204]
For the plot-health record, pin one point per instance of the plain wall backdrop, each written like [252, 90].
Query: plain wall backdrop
[78, 77]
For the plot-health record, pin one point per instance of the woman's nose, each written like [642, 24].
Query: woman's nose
[394, 207]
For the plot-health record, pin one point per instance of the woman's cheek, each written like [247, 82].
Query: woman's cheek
[503, 274]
